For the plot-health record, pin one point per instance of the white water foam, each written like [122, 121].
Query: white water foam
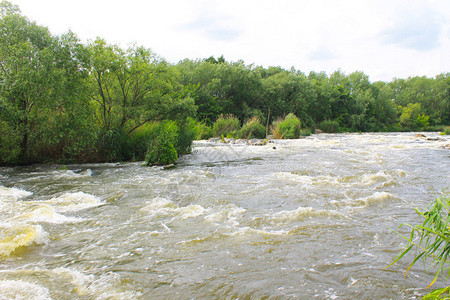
[69, 174]
[15, 236]
[106, 286]
[161, 207]
[47, 214]
[19, 289]
[302, 213]
[12, 194]
[70, 202]
[227, 214]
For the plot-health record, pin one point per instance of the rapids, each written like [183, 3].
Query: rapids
[308, 218]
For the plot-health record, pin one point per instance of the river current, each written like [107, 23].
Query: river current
[307, 218]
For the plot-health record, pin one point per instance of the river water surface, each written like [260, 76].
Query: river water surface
[308, 218]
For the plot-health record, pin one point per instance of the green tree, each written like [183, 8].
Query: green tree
[411, 116]
[129, 89]
[27, 76]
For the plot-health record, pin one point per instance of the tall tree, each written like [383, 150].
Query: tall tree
[26, 72]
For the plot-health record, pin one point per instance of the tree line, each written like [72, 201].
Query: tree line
[62, 100]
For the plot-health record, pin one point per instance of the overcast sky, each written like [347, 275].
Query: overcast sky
[382, 38]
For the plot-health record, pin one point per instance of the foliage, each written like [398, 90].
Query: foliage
[187, 132]
[305, 132]
[410, 116]
[443, 293]
[226, 125]
[329, 126]
[446, 131]
[62, 100]
[431, 239]
[204, 132]
[136, 143]
[252, 129]
[287, 128]
[161, 147]
[9, 145]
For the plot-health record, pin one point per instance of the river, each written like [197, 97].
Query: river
[307, 218]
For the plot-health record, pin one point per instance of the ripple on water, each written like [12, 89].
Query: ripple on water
[43, 284]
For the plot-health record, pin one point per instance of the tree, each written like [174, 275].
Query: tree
[26, 73]
[129, 89]
[411, 118]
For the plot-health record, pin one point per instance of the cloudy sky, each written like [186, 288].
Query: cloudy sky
[382, 38]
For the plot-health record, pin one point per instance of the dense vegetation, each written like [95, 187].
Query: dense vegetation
[62, 100]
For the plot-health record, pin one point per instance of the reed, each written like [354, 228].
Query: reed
[431, 240]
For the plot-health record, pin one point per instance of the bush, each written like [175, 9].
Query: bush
[110, 145]
[446, 131]
[305, 132]
[136, 144]
[253, 129]
[9, 144]
[204, 132]
[187, 132]
[161, 147]
[329, 126]
[289, 128]
[225, 126]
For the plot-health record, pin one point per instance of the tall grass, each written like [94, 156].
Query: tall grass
[253, 129]
[226, 125]
[287, 128]
[431, 239]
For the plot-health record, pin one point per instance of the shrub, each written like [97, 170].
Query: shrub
[305, 132]
[110, 145]
[446, 131]
[136, 145]
[253, 129]
[9, 144]
[226, 125]
[329, 126]
[187, 132]
[161, 147]
[204, 132]
[289, 128]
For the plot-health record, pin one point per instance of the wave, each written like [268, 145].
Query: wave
[239, 233]
[303, 213]
[228, 214]
[70, 174]
[19, 289]
[13, 237]
[161, 207]
[72, 283]
[47, 214]
[105, 286]
[20, 229]
[378, 199]
[299, 214]
[12, 194]
[70, 202]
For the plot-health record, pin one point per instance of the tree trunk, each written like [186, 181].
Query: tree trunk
[23, 156]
